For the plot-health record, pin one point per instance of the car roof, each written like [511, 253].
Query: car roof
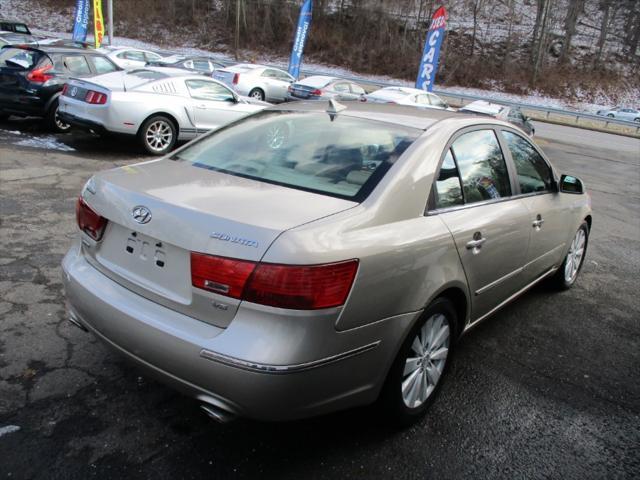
[482, 106]
[407, 116]
[58, 49]
[317, 80]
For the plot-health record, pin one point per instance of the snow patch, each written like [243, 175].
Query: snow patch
[47, 143]
[8, 429]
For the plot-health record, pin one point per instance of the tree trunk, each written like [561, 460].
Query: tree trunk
[509, 45]
[575, 8]
[605, 5]
[540, 48]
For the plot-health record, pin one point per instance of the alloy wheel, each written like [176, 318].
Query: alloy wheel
[574, 257]
[159, 135]
[62, 126]
[426, 361]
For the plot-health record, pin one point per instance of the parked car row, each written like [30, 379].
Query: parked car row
[165, 98]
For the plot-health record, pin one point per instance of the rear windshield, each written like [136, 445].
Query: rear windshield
[19, 58]
[341, 156]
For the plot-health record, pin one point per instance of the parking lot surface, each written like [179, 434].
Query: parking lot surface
[547, 388]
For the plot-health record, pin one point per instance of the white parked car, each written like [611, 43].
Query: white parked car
[158, 105]
[628, 114]
[129, 58]
[407, 96]
[256, 81]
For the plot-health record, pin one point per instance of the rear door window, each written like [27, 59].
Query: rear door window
[134, 55]
[448, 186]
[76, 64]
[341, 87]
[482, 166]
[357, 89]
[102, 64]
[534, 174]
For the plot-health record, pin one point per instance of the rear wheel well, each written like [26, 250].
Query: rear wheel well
[162, 114]
[459, 300]
[588, 220]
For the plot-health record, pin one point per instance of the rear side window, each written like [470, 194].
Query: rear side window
[77, 65]
[338, 156]
[341, 87]
[103, 65]
[436, 101]
[133, 55]
[482, 167]
[534, 175]
[358, 90]
[448, 188]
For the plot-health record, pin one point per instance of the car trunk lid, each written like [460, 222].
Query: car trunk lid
[191, 210]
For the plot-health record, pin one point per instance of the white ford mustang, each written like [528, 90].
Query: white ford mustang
[160, 106]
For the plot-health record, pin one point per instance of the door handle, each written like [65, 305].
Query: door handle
[201, 107]
[476, 243]
[537, 223]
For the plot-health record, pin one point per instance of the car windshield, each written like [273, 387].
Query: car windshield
[334, 155]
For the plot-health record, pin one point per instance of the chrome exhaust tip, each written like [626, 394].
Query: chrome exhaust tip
[217, 414]
[74, 320]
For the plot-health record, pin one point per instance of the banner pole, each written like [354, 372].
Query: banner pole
[110, 9]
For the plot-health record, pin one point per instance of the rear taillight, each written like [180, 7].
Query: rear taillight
[300, 287]
[65, 88]
[222, 275]
[236, 78]
[89, 221]
[96, 98]
[39, 75]
[317, 91]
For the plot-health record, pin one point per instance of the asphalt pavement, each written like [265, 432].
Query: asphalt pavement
[547, 388]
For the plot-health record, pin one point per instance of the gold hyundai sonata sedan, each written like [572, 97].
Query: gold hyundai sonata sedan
[314, 257]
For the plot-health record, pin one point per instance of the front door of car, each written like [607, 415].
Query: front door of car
[277, 84]
[490, 228]
[214, 105]
[343, 91]
[538, 191]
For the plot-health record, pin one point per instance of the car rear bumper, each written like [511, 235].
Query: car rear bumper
[252, 368]
[23, 105]
[81, 122]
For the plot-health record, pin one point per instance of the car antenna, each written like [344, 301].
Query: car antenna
[335, 108]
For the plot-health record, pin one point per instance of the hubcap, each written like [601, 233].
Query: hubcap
[257, 95]
[425, 363]
[574, 257]
[159, 135]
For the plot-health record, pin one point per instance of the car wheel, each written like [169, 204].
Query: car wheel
[53, 121]
[257, 94]
[568, 272]
[418, 370]
[610, 115]
[637, 120]
[158, 135]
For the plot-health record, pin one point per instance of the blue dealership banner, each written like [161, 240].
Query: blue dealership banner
[431, 53]
[304, 22]
[81, 20]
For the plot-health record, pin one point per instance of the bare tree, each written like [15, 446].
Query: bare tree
[575, 9]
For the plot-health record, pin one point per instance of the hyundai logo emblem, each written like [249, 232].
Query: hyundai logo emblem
[141, 214]
[74, 91]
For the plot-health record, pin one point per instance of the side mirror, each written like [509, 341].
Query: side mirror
[569, 184]
[232, 99]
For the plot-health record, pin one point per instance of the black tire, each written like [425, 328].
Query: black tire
[637, 120]
[392, 403]
[52, 122]
[560, 280]
[611, 115]
[257, 94]
[167, 131]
